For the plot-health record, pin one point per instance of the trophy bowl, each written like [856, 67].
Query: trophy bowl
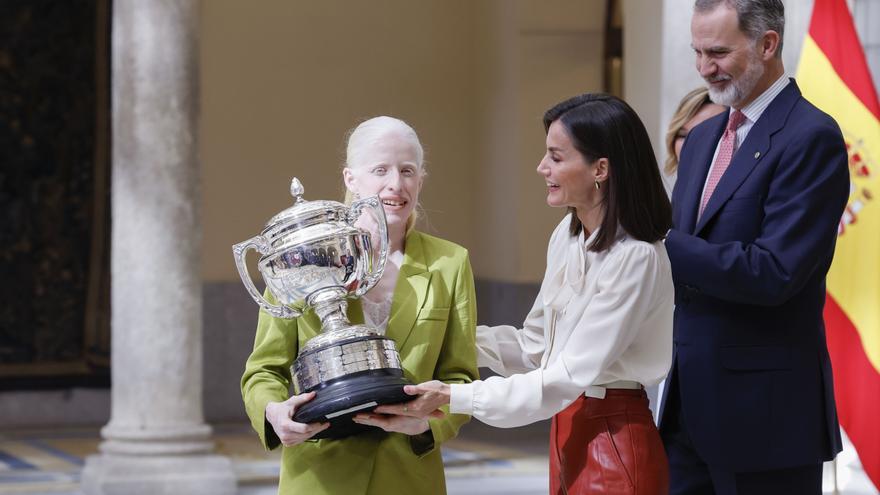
[314, 258]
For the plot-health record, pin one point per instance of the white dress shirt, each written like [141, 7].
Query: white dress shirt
[598, 318]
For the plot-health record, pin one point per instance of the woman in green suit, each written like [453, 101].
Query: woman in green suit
[425, 302]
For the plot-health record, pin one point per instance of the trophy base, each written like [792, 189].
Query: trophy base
[339, 400]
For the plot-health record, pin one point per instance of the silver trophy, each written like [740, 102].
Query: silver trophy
[314, 258]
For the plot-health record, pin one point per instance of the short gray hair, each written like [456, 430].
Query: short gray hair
[755, 16]
[368, 133]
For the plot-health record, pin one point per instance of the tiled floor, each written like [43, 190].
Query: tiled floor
[514, 462]
[48, 462]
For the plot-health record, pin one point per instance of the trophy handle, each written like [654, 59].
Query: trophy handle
[375, 272]
[240, 251]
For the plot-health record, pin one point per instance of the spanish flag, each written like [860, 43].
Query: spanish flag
[834, 76]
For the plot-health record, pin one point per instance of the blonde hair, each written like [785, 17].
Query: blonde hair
[367, 134]
[689, 106]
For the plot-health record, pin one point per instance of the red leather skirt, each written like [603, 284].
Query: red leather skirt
[607, 446]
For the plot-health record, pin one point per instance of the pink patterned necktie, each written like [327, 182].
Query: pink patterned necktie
[725, 154]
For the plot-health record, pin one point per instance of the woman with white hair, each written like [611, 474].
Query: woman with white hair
[425, 302]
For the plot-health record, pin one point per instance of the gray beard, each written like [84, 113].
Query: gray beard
[725, 97]
[737, 90]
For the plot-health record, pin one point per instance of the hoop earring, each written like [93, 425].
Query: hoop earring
[598, 186]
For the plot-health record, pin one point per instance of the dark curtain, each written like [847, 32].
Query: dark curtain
[54, 193]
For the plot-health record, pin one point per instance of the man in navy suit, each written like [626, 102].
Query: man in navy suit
[749, 406]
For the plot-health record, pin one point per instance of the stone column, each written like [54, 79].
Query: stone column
[157, 440]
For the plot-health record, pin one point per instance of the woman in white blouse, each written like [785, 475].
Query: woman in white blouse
[601, 327]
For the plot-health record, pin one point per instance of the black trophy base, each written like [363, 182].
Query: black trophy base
[339, 400]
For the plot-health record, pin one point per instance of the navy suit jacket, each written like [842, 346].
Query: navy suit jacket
[751, 361]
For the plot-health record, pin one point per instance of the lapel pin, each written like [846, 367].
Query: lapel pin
[757, 154]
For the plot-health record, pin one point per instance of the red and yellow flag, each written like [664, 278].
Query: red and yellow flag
[834, 76]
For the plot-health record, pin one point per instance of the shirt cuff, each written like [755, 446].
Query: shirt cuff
[461, 398]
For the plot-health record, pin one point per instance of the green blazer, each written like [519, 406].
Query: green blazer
[433, 322]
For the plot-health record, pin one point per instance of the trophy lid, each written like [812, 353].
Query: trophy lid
[304, 213]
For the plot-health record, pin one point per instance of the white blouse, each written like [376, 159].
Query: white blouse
[598, 318]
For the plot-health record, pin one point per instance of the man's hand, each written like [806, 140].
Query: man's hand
[290, 432]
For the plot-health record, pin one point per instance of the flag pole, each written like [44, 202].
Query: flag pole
[834, 475]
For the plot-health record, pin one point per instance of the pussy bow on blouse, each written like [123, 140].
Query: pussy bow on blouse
[598, 318]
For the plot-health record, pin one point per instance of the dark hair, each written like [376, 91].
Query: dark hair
[604, 126]
[755, 17]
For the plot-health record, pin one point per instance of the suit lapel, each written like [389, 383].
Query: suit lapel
[705, 149]
[410, 292]
[751, 151]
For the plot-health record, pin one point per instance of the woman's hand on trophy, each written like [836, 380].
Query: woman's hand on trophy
[390, 422]
[290, 432]
[431, 395]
